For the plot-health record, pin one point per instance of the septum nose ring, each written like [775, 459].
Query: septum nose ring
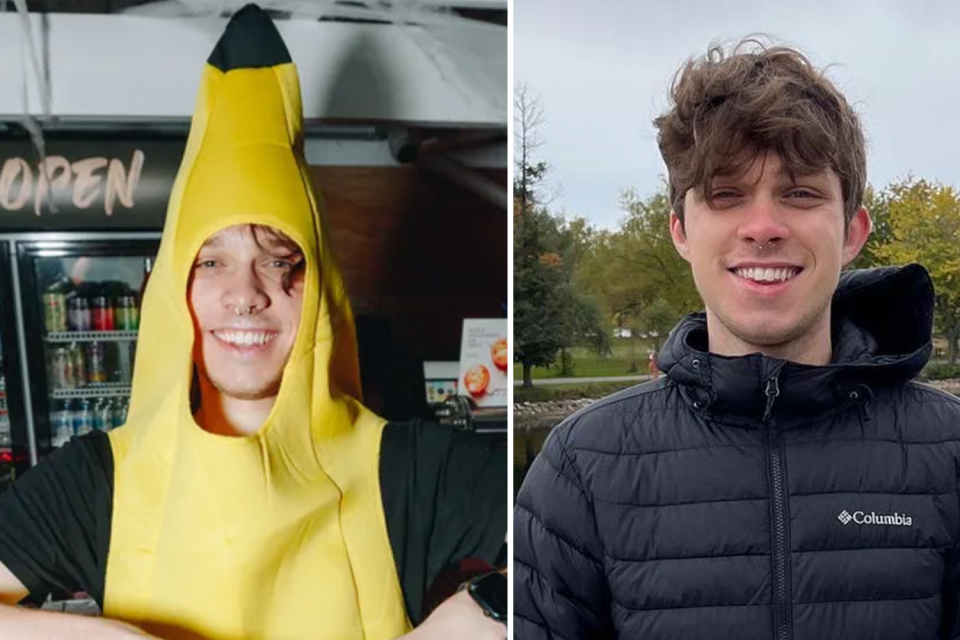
[245, 311]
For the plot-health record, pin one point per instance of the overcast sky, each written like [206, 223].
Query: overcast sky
[602, 71]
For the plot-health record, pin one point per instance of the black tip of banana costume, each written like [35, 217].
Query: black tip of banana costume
[250, 41]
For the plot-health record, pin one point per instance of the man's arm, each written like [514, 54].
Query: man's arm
[31, 624]
[55, 523]
[458, 617]
[445, 499]
[17, 623]
[12, 590]
[560, 589]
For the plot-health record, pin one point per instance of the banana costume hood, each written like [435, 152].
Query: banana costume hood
[280, 535]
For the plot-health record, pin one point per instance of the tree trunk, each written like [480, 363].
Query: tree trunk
[527, 375]
[952, 339]
[566, 371]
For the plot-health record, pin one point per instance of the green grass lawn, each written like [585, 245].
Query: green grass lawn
[547, 393]
[587, 364]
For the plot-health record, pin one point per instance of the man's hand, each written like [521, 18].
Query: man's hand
[459, 617]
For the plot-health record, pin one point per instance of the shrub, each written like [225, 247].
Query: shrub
[548, 393]
[940, 371]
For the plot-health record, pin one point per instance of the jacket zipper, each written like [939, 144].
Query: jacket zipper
[781, 554]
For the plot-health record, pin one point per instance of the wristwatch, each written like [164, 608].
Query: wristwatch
[489, 591]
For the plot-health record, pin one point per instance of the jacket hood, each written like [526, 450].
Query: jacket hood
[882, 321]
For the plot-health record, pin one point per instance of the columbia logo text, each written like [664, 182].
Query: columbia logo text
[873, 518]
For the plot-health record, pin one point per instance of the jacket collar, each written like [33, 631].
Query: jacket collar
[882, 321]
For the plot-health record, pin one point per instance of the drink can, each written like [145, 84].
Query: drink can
[62, 316]
[123, 316]
[103, 416]
[79, 314]
[106, 416]
[95, 413]
[119, 412]
[79, 365]
[71, 371]
[49, 311]
[125, 351]
[63, 374]
[73, 314]
[128, 316]
[83, 419]
[62, 425]
[85, 320]
[54, 311]
[110, 315]
[98, 314]
[102, 314]
[134, 314]
[96, 363]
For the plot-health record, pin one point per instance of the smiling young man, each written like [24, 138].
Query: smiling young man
[251, 495]
[786, 478]
[243, 346]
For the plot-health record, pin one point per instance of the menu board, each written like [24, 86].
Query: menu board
[484, 356]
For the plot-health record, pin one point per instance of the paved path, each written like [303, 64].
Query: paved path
[537, 382]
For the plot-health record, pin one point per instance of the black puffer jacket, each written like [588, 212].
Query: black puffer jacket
[751, 498]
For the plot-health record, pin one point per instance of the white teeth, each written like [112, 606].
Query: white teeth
[759, 274]
[244, 338]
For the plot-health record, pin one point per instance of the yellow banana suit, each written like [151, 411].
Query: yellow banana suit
[280, 535]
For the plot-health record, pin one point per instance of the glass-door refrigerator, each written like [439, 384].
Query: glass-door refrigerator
[14, 448]
[80, 222]
[80, 304]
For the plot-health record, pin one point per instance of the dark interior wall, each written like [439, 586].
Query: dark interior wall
[419, 254]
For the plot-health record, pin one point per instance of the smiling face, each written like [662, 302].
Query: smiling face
[766, 258]
[246, 297]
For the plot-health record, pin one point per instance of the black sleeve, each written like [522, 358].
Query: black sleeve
[559, 582]
[445, 499]
[55, 520]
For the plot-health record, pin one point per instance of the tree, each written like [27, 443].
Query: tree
[528, 117]
[537, 282]
[581, 321]
[925, 227]
[535, 278]
[877, 204]
[644, 283]
[549, 313]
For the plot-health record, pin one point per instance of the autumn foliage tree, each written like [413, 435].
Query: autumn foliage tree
[924, 227]
[645, 286]
[550, 314]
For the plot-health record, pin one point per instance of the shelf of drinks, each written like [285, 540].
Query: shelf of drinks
[91, 336]
[98, 391]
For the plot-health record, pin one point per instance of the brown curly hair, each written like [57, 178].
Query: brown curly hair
[729, 109]
[269, 238]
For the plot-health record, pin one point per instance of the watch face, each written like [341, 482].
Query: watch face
[490, 592]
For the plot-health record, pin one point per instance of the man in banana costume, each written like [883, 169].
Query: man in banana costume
[250, 495]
